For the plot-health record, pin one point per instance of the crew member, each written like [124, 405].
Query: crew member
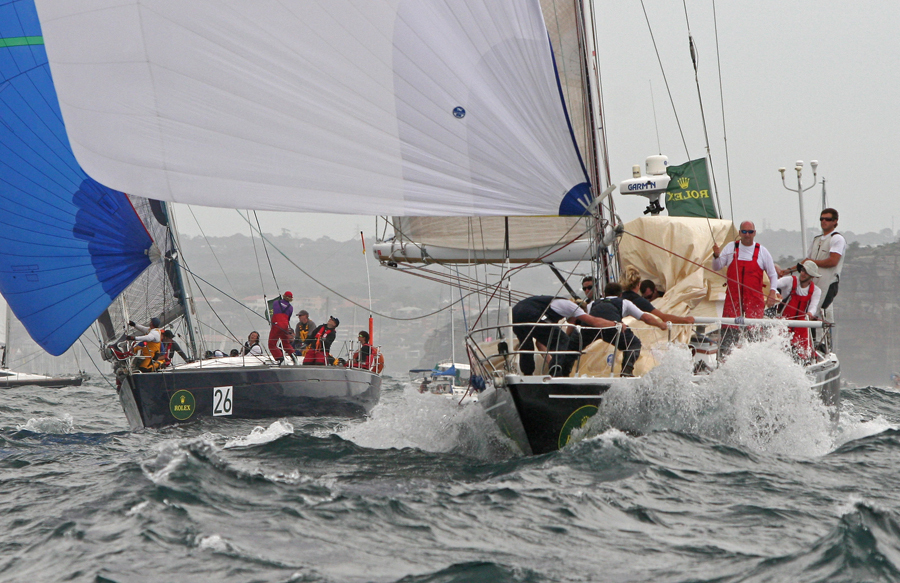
[746, 262]
[800, 300]
[169, 348]
[612, 306]
[302, 332]
[251, 346]
[151, 337]
[827, 252]
[587, 286]
[631, 283]
[362, 358]
[549, 310]
[322, 338]
[281, 328]
[649, 291]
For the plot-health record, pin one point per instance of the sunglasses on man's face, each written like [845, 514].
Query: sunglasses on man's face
[747, 231]
[826, 219]
[587, 287]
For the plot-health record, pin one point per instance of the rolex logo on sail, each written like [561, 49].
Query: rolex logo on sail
[684, 182]
[181, 405]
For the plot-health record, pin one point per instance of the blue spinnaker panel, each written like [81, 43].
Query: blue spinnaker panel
[68, 245]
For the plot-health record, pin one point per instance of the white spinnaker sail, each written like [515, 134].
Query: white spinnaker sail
[412, 107]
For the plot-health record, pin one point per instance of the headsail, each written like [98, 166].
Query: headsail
[338, 106]
[68, 245]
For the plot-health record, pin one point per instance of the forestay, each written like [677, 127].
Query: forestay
[412, 107]
[68, 245]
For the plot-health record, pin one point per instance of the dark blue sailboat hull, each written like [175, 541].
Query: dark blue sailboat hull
[182, 396]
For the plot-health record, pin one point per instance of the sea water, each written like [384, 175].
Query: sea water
[741, 477]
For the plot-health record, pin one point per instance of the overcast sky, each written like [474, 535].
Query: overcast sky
[802, 80]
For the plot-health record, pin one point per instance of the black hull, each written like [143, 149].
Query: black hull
[550, 411]
[547, 410]
[183, 396]
[50, 383]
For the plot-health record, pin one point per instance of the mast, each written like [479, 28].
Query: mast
[594, 105]
[187, 297]
[8, 314]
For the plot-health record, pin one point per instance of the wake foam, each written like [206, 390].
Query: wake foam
[759, 399]
[260, 435]
[431, 423]
[56, 425]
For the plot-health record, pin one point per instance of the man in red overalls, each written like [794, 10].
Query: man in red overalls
[744, 298]
[281, 328]
[800, 300]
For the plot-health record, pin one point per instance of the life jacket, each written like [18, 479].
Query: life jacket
[745, 281]
[300, 334]
[795, 308]
[303, 330]
[318, 353]
[821, 249]
[608, 309]
[535, 309]
[150, 349]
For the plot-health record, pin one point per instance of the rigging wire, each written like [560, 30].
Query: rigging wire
[722, 105]
[186, 268]
[262, 286]
[693, 49]
[95, 364]
[215, 256]
[700, 265]
[269, 259]
[672, 99]
[655, 121]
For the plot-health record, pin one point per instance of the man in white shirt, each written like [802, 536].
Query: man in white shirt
[800, 300]
[613, 307]
[549, 310]
[827, 252]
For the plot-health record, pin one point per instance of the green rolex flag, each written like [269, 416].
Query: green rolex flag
[688, 194]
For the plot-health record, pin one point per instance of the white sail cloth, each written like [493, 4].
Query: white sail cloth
[413, 107]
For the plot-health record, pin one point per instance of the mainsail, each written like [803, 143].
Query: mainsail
[68, 245]
[486, 239]
[401, 107]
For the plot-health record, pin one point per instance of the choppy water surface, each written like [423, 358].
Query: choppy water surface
[743, 478]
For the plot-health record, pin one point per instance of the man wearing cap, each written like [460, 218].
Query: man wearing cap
[322, 338]
[746, 262]
[281, 328]
[302, 332]
[800, 300]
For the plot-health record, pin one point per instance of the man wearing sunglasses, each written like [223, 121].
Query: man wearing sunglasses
[746, 262]
[827, 252]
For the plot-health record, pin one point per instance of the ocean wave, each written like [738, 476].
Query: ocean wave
[260, 435]
[59, 425]
[430, 423]
[864, 545]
